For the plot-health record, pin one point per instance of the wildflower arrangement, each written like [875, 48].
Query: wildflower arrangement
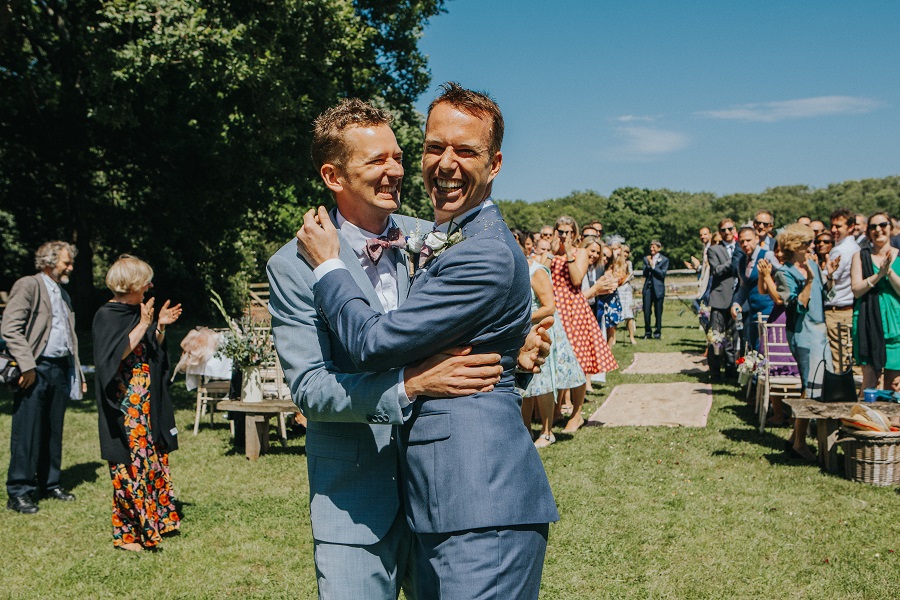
[248, 343]
[753, 363]
[715, 338]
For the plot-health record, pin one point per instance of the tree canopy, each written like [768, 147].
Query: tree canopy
[639, 215]
[179, 130]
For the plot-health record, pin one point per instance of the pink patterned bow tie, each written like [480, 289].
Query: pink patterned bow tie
[375, 246]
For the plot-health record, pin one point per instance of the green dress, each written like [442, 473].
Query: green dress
[889, 303]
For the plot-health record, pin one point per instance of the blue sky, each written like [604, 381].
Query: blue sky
[717, 96]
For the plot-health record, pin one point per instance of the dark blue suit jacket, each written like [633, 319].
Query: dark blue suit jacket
[655, 279]
[466, 463]
[747, 294]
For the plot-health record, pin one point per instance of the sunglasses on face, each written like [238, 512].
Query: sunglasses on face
[563, 232]
[762, 223]
[824, 242]
[724, 229]
[883, 225]
[546, 235]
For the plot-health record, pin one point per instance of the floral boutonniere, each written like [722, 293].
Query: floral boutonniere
[422, 247]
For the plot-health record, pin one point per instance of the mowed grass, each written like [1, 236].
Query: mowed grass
[646, 513]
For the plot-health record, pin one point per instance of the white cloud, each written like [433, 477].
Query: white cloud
[649, 141]
[801, 108]
[634, 118]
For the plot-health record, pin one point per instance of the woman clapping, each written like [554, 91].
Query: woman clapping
[136, 417]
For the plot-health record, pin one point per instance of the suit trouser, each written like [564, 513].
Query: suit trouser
[376, 571]
[35, 444]
[650, 300]
[840, 348]
[720, 320]
[482, 564]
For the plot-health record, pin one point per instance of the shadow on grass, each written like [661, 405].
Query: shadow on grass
[85, 472]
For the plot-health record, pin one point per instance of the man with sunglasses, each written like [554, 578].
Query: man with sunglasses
[723, 269]
[839, 302]
[763, 223]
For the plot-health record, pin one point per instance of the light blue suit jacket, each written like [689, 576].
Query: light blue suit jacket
[467, 462]
[350, 447]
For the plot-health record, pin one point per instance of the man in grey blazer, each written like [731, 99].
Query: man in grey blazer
[723, 268]
[474, 488]
[362, 540]
[39, 330]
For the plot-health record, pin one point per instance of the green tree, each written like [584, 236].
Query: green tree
[179, 129]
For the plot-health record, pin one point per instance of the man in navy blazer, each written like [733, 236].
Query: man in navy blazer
[747, 297]
[654, 291]
[363, 545]
[473, 485]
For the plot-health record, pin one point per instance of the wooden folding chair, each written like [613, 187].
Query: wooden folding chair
[209, 393]
[773, 341]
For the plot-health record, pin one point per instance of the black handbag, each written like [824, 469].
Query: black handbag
[836, 387]
[9, 369]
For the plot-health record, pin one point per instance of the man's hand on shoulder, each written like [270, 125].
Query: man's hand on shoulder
[537, 347]
[317, 240]
[455, 372]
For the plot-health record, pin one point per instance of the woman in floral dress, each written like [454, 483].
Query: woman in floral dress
[136, 416]
[567, 270]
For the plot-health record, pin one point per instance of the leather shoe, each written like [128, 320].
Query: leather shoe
[22, 504]
[657, 336]
[59, 493]
[648, 336]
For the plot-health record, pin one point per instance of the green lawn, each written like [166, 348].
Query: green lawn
[646, 513]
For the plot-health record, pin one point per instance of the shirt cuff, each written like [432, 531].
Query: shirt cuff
[403, 400]
[332, 264]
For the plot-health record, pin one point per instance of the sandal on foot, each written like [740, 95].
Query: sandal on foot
[544, 440]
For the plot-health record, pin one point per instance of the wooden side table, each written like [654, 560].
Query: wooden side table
[256, 423]
[828, 415]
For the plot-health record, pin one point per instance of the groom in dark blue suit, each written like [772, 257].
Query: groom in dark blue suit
[474, 488]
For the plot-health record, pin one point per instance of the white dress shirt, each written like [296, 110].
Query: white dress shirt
[58, 344]
[841, 295]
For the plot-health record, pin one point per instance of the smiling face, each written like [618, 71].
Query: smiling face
[457, 164]
[62, 269]
[726, 228]
[367, 186]
[593, 253]
[879, 229]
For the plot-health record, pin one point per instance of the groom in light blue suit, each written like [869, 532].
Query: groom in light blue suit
[362, 541]
[474, 489]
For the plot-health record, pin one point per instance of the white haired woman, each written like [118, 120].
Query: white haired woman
[135, 413]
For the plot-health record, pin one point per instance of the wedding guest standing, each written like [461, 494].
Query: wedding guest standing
[626, 291]
[839, 303]
[561, 370]
[747, 299]
[875, 281]
[723, 270]
[567, 271]
[801, 289]
[135, 413]
[39, 330]
[655, 267]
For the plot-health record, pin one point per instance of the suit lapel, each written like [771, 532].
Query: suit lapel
[44, 295]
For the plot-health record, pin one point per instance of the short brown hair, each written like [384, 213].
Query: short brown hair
[328, 129]
[477, 104]
[843, 213]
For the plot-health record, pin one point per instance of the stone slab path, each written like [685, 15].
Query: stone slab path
[655, 405]
[666, 363]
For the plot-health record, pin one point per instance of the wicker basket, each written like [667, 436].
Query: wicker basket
[871, 457]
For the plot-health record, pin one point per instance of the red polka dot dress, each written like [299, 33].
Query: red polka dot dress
[579, 322]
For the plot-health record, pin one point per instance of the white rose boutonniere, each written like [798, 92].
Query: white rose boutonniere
[422, 247]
